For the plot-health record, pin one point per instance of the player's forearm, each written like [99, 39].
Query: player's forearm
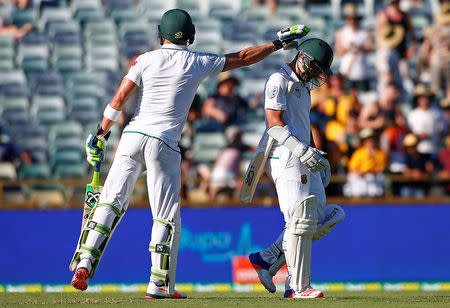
[106, 126]
[253, 55]
[248, 56]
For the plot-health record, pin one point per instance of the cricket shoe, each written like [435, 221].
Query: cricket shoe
[155, 292]
[80, 279]
[307, 292]
[262, 269]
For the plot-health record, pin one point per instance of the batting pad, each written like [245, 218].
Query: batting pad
[298, 237]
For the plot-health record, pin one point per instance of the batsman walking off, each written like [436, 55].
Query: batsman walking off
[299, 170]
[168, 79]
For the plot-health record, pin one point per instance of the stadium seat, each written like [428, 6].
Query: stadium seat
[68, 171]
[119, 4]
[54, 14]
[13, 77]
[66, 129]
[68, 64]
[6, 42]
[7, 171]
[207, 146]
[35, 171]
[50, 116]
[37, 146]
[7, 63]
[66, 157]
[57, 27]
[89, 14]
[85, 103]
[47, 102]
[34, 65]
[45, 198]
[120, 15]
[16, 117]
[9, 103]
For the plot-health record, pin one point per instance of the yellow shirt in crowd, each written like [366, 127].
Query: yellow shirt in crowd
[363, 162]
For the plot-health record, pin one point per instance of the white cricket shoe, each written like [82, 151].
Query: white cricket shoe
[155, 292]
[307, 292]
[262, 269]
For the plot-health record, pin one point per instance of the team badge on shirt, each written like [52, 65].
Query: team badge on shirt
[304, 179]
[211, 56]
[272, 92]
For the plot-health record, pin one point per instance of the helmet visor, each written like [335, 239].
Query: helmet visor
[318, 76]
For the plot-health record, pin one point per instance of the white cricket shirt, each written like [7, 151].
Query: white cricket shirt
[284, 91]
[168, 79]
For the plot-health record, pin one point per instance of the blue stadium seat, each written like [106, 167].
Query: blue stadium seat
[119, 4]
[68, 171]
[34, 38]
[64, 130]
[67, 157]
[35, 171]
[16, 117]
[13, 89]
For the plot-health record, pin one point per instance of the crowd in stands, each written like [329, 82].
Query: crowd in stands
[386, 110]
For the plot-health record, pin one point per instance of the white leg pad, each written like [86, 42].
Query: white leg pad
[302, 226]
[333, 215]
[164, 245]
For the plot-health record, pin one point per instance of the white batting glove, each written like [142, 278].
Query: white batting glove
[325, 175]
[287, 36]
[313, 160]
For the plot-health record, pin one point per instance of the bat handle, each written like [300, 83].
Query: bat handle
[96, 177]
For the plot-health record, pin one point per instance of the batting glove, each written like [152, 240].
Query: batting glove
[287, 37]
[95, 150]
[314, 160]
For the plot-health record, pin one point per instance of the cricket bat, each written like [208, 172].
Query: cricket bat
[91, 197]
[255, 169]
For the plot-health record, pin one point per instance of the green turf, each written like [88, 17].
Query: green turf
[199, 300]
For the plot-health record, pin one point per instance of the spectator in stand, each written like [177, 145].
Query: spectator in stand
[10, 29]
[227, 165]
[391, 142]
[434, 52]
[418, 168]
[422, 121]
[444, 123]
[225, 107]
[271, 5]
[444, 162]
[393, 30]
[366, 167]
[353, 43]
[379, 114]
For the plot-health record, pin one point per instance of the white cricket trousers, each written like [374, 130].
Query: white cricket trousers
[294, 182]
[162, 161]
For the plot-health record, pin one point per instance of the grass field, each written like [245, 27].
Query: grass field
[232, 299]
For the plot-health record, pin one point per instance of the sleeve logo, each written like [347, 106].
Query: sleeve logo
[273, 91]
[211, 56]
[134, 63]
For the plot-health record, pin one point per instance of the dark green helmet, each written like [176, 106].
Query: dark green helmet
[320, 52]
[176, 26]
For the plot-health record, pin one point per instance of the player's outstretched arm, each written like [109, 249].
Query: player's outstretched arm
[248, 56]
[114, 108]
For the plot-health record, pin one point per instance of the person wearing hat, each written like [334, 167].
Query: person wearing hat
[352, 43]
[434, 52]
[224, 107]
[168, 79]
[366, 167]
[423, 119]
[417, 168]
[298, 169]
[393, 29]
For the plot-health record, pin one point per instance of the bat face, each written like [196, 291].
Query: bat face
[90, 199]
